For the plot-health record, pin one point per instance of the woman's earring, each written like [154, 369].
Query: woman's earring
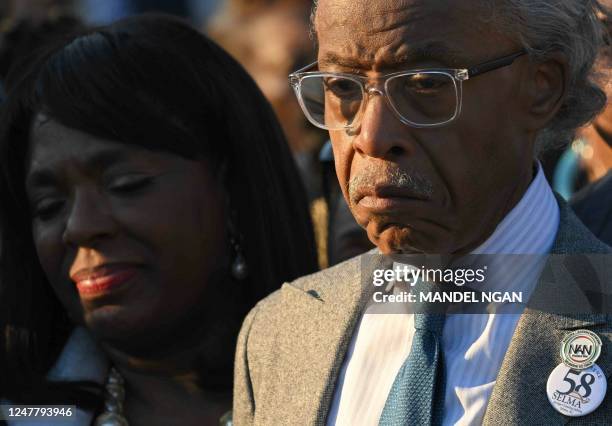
[239, 268]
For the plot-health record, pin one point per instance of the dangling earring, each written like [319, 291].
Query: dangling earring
[239, 268]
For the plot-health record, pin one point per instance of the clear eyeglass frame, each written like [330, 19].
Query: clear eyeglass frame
[458, 76]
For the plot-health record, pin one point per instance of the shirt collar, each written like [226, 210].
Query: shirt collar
[531, 226]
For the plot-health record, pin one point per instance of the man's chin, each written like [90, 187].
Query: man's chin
[397, 238]
[393, 238]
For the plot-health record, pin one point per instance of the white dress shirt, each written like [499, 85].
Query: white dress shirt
[473, 345]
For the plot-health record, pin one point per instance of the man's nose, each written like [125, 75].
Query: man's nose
[89, 220]
[380, 133]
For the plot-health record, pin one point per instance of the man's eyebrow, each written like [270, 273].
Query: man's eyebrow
[40, 177]
[432, 51]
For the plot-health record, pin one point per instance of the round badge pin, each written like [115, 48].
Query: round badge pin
[576, 393]
[580, 349]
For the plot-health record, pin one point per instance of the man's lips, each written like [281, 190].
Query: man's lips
[383, 198]
[104, 278]
[378, 204]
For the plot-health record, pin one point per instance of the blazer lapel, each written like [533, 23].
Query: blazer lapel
[323, 318]
[519, 395]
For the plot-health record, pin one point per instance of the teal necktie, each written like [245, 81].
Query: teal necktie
[417, 395]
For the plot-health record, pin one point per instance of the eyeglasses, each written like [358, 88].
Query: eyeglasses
[419, 98]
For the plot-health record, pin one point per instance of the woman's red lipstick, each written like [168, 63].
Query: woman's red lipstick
[102, 279]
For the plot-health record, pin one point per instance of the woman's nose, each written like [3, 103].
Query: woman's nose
[89, 219]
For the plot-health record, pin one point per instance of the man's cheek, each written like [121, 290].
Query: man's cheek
[343, 161]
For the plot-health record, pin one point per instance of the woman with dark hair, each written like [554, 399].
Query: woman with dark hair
[148, 201]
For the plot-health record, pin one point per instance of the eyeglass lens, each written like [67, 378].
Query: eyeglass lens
[335, 102]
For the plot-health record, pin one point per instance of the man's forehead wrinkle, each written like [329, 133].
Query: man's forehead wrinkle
[331, 14]
[386, 20]
[392, 34]
[392, 55]
[401, 52]
[350, 55]
[358, 16]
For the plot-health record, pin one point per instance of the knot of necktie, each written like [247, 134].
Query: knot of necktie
[429, 316]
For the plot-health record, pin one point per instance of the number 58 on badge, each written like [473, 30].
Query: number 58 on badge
[577, 386]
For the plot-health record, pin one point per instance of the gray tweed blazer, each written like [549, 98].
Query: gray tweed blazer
[292, 345]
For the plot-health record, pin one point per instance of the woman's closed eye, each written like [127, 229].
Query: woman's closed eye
[46, 208]
[128, 184]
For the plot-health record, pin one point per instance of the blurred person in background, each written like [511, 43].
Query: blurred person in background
[149, 199]
[593, 204]
[104, 12]
[35, 11]
[270, 38]
[589, 156]
[26, 25]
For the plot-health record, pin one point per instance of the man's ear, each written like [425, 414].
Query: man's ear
[545, 90]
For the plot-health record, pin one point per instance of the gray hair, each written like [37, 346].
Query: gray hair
[572, 28]
[545, 27]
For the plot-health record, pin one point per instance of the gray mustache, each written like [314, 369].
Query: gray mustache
[412, 181]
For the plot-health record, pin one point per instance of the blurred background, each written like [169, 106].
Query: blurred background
[269, 37]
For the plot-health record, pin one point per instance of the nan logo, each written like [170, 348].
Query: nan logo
[580, 349]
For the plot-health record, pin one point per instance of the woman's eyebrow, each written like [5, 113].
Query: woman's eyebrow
[40, 179]
[100, 160]
[103, 159]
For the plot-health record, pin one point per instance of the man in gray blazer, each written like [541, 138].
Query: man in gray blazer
[436, 111]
